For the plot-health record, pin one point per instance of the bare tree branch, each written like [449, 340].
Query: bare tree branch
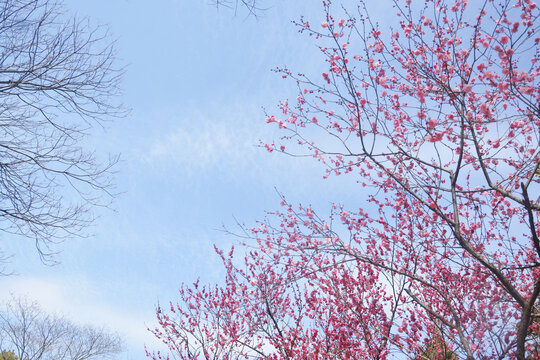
[34, 335]
[58, 79]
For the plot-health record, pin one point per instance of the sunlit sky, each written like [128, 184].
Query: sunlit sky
[198, 80]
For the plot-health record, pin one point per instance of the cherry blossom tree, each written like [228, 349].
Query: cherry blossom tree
[437, 120]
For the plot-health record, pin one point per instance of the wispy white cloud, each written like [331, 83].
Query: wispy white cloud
[223, 141]
[206, 145]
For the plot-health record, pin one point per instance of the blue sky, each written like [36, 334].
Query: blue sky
[197, 80]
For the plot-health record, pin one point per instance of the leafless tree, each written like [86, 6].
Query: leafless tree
[252, 6]
[33, 335]
[58, 79]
